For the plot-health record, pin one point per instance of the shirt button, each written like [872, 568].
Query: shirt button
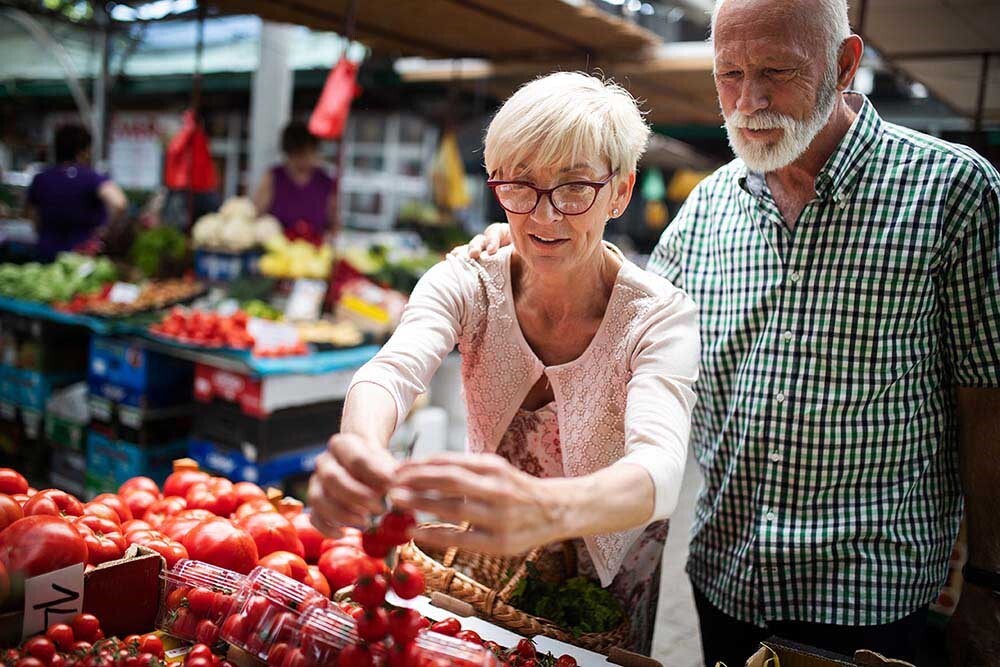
[780, 398]
[787, 336]
[795, 276]
[770, 516]
[775, 457]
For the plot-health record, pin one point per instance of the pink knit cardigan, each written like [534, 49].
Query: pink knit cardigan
[626, 399]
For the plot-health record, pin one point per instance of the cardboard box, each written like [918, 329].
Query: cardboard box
[261, 396]
[776, 651]
[124, 594]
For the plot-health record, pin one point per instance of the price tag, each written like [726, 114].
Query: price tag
[86, 269]
[228, 307]
[268, 335]
[306, 300]
[124, 293]
[54, 597]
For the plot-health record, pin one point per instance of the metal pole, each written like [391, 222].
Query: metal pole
[984, 77]
[99, 122]
[199, 48]
[349, 22]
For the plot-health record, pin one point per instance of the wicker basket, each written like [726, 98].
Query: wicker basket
[487, 582]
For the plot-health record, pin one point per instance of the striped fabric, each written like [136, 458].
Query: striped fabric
[825, 424]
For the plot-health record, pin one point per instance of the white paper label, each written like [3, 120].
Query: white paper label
[268, 335]
[228, 307]
[54, 597]
[124, 293]
[86, 269]
[306, 300]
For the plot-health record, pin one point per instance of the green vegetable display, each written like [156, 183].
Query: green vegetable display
[69, 275]
[578, 604]
[156, 251]
[257, 308]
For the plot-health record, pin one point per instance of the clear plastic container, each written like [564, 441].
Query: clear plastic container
[436, 650]
[268, 612]
[197, 600]
[319, 636]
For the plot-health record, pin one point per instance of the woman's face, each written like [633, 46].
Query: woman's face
[548, 240]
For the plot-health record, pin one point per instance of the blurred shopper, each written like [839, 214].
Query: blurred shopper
[299, 192]
[577, 364]
[847, 273]
[70, 202]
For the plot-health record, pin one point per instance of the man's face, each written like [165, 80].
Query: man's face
[776, 89]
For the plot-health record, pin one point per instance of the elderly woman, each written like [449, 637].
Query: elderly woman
[577, 365]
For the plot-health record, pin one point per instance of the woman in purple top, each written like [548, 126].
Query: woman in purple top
[70, 201]
[299, 192]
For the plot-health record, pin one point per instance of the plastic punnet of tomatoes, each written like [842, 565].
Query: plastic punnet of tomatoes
[320, 635]
[431, 649]
[269, 608]
[199, 597]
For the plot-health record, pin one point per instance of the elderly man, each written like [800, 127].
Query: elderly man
[847, 273]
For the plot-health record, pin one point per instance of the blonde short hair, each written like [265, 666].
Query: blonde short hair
[563, 118]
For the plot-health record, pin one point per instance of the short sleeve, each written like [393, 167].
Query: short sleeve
[971, 293]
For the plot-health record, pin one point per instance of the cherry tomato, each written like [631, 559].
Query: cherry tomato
[200, 601]
[526, 649]
[198, 662]
[151, 644]
[373, 625]
[407, 580]
[404, 625]
[355, 655]
[40, 647]
[370, 590]
[29, 662]
[374, 543]
[61, 635]
[199, 651]
[470, 636]
[566, 661]
[450, 626]
[86, 627]
[207, 632]
[396, 526]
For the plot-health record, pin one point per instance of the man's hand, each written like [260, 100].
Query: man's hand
[492, 239]
[973, 640]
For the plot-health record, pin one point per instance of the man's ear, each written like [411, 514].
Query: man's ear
[852, 50]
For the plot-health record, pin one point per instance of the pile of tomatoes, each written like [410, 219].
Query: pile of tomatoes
[82, 642]
[206, 329]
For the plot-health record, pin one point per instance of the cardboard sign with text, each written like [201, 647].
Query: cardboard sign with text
[51, 598]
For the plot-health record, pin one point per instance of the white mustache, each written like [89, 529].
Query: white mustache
[762, 120]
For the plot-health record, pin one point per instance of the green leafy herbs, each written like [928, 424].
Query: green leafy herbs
[69, 275]
[578, 604]
[156, 249]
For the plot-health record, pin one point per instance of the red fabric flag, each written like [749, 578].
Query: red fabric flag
[330, 115]
[189, 162]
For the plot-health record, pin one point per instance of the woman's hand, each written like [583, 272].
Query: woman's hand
[510, 511]
[492, 239]
[350, 483]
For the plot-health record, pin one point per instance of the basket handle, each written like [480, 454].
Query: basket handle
[449, 556]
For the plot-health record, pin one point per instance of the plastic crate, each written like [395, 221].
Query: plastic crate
[217, 266]
[233, 464]
[115, 461]
[262, 438]
[45, 347]
[134, 369]
[141, 426]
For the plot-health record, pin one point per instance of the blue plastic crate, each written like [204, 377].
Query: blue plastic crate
[237, 467]
[127, 364]
[117, 460]
[225, 266]
[31, 389]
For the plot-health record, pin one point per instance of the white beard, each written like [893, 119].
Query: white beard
[796, 136]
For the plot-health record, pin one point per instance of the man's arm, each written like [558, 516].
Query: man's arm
[115, 201]
[974, 631]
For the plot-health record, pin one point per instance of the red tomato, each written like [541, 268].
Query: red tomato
[184, 624]
[272, 532]
[10, 510]
[407, 580]
[140, 500]
[355, 655]
[234, 629]
[316, 579]
[470, 636]
[526, 649]
[219, 542]
[178, 483]
[450, 626]
[135, 525]
[198, 662]
[38, 544]
[21, 498]
[179, 525]
[102, 511]
[117, 504]
[276, 654]
[254, 506]
[151, 644]
[246, 491]
[4, 585]
[54, 502]
[12, 482]
[287, 563]
[373, 625]
[566, 661]
[86, 627]
[309, 535]
[289, 507]
[29, 662]
[396, 526]
[343, 565]
[199, 651]
[40, 647]
[138, 484]
[163, 508]
[207, 632]
[369, 591]
[404, 625]
[374, 543]
[104, 542]
[215, 495]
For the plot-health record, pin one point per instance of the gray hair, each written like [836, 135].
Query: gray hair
[829, 17]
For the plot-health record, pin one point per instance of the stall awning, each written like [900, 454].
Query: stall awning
[509, 30]
[674, 81]
[950, 46]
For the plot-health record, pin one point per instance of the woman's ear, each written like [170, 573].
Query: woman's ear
[622, 195]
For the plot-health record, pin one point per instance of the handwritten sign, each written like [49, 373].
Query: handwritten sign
[54, 597]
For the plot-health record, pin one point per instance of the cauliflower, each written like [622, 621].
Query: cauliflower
[238, 234]
[207, 232]
[238, 208]
[268, 227]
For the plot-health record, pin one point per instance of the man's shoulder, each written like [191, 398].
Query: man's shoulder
[725, 178]
[922, 150]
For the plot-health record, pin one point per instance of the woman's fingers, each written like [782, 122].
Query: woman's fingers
[371, 465]
[328, 514]
[340, 486]
[451, 480]
[449, 508]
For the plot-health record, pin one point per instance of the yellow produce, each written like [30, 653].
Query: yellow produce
[296, 259]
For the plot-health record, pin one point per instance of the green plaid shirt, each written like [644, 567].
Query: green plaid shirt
[825, 425]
